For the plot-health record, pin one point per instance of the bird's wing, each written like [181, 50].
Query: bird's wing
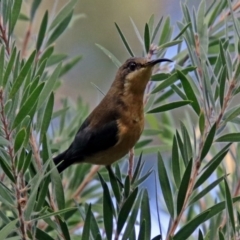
[89, 141]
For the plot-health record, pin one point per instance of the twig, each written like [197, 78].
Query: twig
[17, 185]
[85, 181]
[4, 37]
[130, 162]
[35, 149]
[26, 39]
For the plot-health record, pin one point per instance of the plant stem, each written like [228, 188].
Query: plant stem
[17, 185]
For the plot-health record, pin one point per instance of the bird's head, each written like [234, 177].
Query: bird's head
[136, 72]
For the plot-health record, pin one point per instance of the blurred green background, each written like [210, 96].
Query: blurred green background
[94, 23]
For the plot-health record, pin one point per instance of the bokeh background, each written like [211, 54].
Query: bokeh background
[94, 24]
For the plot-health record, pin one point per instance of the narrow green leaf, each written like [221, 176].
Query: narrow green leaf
[205, 190]
[116, 62]
[187, 147]
[151, 23]
[232, 114]
[169, 44]
[200, 235]
[63, 13]
[229, 205]
[28, 106]
[138, 169]
[6, 169]
[223, 78]
[34, 8]
[87, 224]
[127, 187]
[165, 185]
[42, 31]
[189, 92]
[213, 164]
[166, 32]
[146, 215]
[115, 186]
[182, 31]
[68, 66]
[176, 163]
[2, 55]
[124, 40]
[208, 141]
[107, 209]
[14, 15]
[48, 215]
[9, 66]
[201, 122]
[42, 194]
[47, 116]
[142, 232]
[56, 58]
[191, 226]
[48, 88]
[183, 187]
[6, 196]
[235, 19]
[19, 140]
[220, 235]
[8, 229]
[40, 234]
[147, 38]
[230, 137]
[169, 106]
[125, 210]
[23, 73]
[4, 142]
[46, 55]
[160, 76]
[60, 29]
[27, 162]
[172, 79]
[142, 179]
[132, 219]
[156, 29]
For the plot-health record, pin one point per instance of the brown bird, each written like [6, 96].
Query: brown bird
[116, 124]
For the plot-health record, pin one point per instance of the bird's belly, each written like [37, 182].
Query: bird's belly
[128, 137]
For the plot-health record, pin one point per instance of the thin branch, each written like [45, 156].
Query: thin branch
[35, 149]
[26, 39]
[85, 181]
[17, 185]
[5, 38]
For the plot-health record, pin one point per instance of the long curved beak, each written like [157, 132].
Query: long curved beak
[154, 62]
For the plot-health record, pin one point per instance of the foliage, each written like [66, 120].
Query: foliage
[198, 191]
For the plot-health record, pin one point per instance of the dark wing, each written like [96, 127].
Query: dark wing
[89, 141]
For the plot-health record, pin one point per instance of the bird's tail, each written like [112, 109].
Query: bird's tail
[60, 158]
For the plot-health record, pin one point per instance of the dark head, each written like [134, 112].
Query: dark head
[136, 72]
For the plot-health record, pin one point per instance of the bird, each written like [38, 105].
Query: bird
[116, 124]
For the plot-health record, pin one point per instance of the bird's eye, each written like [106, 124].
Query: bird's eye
[132, 66]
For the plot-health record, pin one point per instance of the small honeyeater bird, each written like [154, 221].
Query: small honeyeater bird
[116, 124]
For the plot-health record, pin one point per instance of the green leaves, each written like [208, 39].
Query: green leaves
[230, 137]
[124, 41]
[169, 106]
[14, 15]
[208, 141]
[23, 73]
[183, 187]
[165, 185]
[28, 105]
[42, 31]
